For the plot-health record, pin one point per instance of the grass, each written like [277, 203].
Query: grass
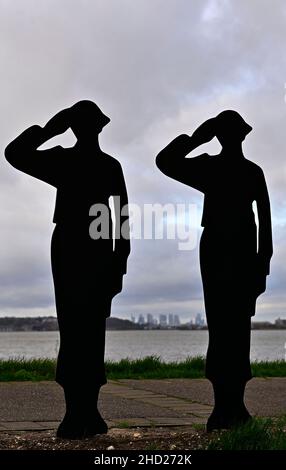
[21, 369]
[123, 425]
[150, 367]
[152, 446]
[258, 434]
[269, 369]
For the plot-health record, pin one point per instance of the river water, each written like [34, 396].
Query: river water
[170, 345]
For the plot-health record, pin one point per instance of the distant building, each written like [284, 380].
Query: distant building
[177, 320]
[171, 319]
[150, 319]
[280, 322]
[262, 325]
[141, 320]
[133, 319]
[199, 321]
[163, 320]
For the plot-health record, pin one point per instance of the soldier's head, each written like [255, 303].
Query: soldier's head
[231, 128]
[87, 119]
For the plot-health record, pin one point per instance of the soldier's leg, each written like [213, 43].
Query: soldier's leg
[228, 368]
[82, 363]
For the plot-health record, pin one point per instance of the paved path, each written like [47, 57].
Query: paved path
[28, 406]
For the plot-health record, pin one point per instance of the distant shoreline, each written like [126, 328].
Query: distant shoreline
[38, 324]
[139, 329]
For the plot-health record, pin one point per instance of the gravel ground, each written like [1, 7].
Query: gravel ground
[127, 439]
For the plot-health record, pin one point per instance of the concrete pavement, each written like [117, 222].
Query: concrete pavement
[36, 406]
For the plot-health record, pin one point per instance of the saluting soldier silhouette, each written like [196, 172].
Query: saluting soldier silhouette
[87, 267]
[234, 261]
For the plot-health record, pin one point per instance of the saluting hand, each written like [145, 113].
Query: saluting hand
[205, 132]
[58, 124]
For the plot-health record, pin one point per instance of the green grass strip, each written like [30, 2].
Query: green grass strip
[150, 367]
[258, 434]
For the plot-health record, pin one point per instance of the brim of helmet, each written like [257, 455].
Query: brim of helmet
[104, 120]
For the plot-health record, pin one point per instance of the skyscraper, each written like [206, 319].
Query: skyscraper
[199, 321]
[176, 320]
[150, 319]
[163, 320]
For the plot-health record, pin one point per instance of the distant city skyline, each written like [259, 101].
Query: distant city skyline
[165, 320]
[184, 318]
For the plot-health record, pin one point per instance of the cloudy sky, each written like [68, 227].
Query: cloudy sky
[157, 68]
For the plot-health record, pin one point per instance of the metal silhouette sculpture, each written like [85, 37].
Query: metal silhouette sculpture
[233, 269]
[87, 271]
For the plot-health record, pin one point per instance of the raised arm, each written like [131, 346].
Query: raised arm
[191, 171]
[122, 229]
[265, 246]
[22, 152]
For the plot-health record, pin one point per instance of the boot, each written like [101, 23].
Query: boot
[82, 418]
[72, 425]
[240, 414]
[218, 417]
[95, 423]
[229, 409]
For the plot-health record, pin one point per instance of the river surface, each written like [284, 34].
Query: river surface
[170, 345]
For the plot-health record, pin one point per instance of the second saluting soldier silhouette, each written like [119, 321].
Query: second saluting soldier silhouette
[233, 269]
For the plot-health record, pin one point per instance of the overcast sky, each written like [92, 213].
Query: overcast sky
[158, 68]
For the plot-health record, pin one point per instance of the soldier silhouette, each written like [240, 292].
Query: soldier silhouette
[233, 269]
[87, 269]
